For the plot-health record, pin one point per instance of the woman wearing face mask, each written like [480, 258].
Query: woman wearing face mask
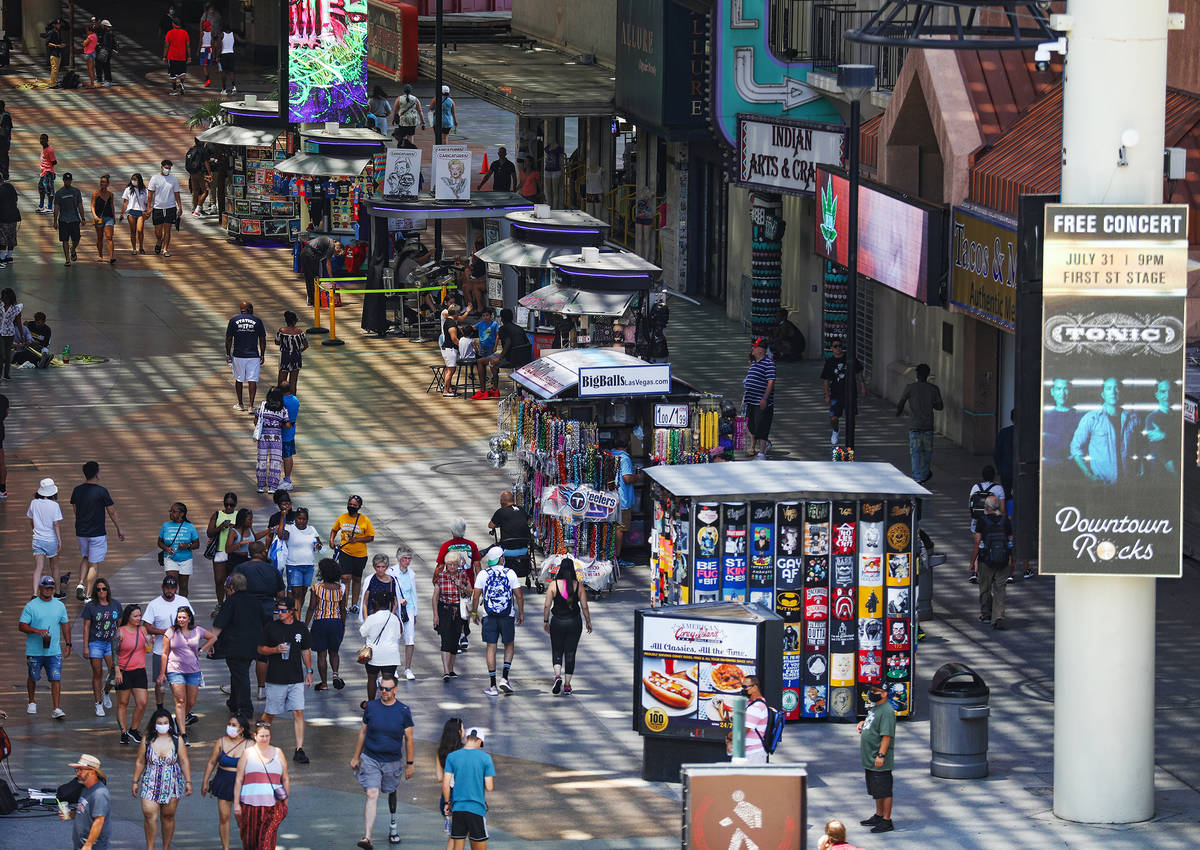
[131, 644]
[260, 791]
[161, 777]
[133, 206]
[183, 644]
[222, 769]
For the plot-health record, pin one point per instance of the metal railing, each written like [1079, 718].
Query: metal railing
[790, 25]
[829, 48]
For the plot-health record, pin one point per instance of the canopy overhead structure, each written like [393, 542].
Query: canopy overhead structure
[233, 134]
[578, 302]
[480, 205]
[323, 165]
[527, 255]
[786, 479]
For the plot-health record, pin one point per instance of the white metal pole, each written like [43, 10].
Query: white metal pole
[1114, 92]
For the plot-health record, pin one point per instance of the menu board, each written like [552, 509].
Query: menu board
[686, 671]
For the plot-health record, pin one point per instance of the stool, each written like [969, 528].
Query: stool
[465, 374]
[435, 382]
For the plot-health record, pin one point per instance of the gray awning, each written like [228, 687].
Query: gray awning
[323, 165]
[231, 134]
[528, 255]
[578, 302]
[786, 479]
[551, 374]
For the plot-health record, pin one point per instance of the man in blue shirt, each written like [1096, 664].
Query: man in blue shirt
[626, 478]
[468, 775]
[292, 405]
[1101, 445]
[758, 396]
[489, 330]
[384, 738]
[245, 350]
[43, 622]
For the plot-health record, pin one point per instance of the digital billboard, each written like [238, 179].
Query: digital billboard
[327, 59]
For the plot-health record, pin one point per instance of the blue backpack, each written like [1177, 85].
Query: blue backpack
[773, 734]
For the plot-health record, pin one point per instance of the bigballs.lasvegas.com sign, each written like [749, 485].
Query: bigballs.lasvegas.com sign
[651, 379]
[1114, 281]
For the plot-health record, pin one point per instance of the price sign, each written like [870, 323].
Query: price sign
[671, 416]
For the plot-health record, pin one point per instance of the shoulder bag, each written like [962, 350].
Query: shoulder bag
[258, 422]
[162, 556]
[278, 790]
[364, 654]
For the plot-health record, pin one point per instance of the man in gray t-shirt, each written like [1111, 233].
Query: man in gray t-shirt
[923, 398]
[68, 213]
[92, 826]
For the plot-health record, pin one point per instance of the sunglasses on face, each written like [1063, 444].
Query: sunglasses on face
[389, 690]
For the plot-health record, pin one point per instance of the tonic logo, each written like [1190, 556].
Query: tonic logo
[1113, 334]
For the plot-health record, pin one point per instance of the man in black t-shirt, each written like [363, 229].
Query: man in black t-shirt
[37, 349]
[91, 502]
[833, 375]
[513, 349]
[245, 350]
[513, 524]
[501, 172]
[284, 643]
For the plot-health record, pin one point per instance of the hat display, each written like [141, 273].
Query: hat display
[47, 488]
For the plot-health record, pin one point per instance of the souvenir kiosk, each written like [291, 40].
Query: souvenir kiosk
[254, 198]
[334, 170]
[829, 547]
[560, 425]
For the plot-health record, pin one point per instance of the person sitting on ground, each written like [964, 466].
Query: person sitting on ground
[37, 349]
[787, 342]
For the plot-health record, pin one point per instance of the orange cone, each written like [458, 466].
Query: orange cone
[483, 169]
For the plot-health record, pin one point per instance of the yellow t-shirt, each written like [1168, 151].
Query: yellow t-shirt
[364, 529]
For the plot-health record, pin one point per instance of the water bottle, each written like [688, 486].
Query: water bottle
[66, 356]
[285, 651]
[447, 826]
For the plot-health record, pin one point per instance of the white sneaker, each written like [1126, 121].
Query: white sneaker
[262, 694]
[505, 686]
[224, 91]
[760, 456]
[31, 708]
[491, 691]
[833, 440]
[408, 674]
[239, 406]
[285, 484]
[233, 90]
[99, 709]
[58, 714]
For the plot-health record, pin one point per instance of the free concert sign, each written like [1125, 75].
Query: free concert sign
[1114, 282]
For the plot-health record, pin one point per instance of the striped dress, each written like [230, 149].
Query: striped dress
[261, 812]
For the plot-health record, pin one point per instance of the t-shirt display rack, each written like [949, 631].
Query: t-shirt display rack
[259, 201]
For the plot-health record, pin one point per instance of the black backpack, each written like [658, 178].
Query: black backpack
[979, 499]
[70, 80]
[993, 532]
[193, 160]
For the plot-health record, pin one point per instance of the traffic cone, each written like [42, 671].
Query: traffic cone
[483, 169]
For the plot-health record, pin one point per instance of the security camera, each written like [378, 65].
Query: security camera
[1041, 56]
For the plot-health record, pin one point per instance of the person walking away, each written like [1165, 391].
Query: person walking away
[291, 406]
[92, 828]
[877, 734]
[407, 583]
[182, 645]
[218, 528]
[384, 740]
[303, 543]
[381, 630]
[326, 619]
[10, 218]
[177, 49]
[468, 775]
[833, 376]
[511, 524]
[563, 618]
[6, 130]
[245, 351]
[292, 342]
[993, 543]
[45, 515]
[377, 110]
[220, 773]
[976, 502]
[272, 418]
[162, 777]
[285, 643]
[166, 206]
[56, 46]
[626, 478]
[499, 587]
[206, 50]
[238, 627]
[453, 737]
[68, 216]
[1004, 457]
[177, 540]
[91, 41]
[92, 503]
[105, 52]
[260, 791]
[229, 40]
[923, 398]
[46, 175]
[195, 163]
[217, 168]
[131, 644]
[450, 355]
[316, 261]
[448, 589]
[133, 206]
[449, 115]
[100, 618]
[501, 172]
[406, 111]
[47, 633]
[758, 398]
[158, 617]
[353, 531]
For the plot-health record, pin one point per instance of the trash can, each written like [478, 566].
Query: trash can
[958, 723]
[925, 585]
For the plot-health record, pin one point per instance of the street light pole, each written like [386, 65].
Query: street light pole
[437, 112]
[855, 81]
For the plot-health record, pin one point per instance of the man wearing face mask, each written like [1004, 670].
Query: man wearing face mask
[877, 734]
[165, 207]
[350, 545]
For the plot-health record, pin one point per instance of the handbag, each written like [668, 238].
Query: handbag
[258, 422]
[364, 654]
[162, 556]
[278, 790]
[464, 608]
[210, 551]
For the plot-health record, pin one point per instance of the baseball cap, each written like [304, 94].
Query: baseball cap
[68, 176]
[48, 581]
[759, 342]
[445, 89]
[170, 580]
[46, 488]
[494, 556]
[106, 23]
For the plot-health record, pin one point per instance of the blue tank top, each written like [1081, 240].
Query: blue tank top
[447, 113]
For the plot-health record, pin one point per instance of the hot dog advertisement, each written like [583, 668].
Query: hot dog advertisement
[708, 542]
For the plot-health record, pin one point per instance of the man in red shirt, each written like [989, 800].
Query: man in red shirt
[176, 49]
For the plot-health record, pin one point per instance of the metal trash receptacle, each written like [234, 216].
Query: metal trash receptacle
[925, 585]
[958, 723]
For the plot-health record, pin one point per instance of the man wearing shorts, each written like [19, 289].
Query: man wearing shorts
[292, 405]
[384, 739]
[206, 49]
[91, 502]
[758, 397]
[177, 47]
[834, 375]
[47, 639]
[285, 643]
[245, 350]
[351, 533]
[157, 617]
[166, 206]
[876, 735]
[516, 352]
[502, 598]
[68, 213]
[469, 774]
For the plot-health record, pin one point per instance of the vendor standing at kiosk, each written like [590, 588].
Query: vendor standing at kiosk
[316, 257]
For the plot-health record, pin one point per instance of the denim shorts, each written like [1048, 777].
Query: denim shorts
[49, 548]
[52, 664]
[99, 648]
[93, 548]
[107, 221]
[192, 679]
[300, 575]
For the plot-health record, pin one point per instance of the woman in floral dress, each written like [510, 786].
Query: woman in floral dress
[273, 418]
[161, 777]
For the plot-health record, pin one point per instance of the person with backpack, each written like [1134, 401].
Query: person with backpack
[499, 587]
[195, 162]
[758, 716]
[987, 486]
[993, 549]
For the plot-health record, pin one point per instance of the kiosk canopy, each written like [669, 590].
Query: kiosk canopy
[231, 134]
[577, 302]
[786, 478]
[554, 374]
[323, 165]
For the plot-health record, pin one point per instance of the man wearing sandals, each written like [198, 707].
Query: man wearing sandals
[384, 740]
